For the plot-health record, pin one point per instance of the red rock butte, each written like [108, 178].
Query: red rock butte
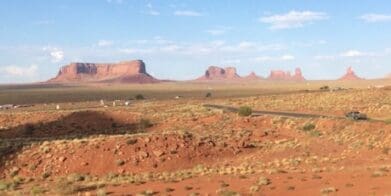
[218, 73]
[286, 75]
[122, 72]
[253, 76]
[350, 75]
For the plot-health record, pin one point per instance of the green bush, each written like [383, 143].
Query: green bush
[315, 133]
[245, 111]
[139, 97]
[308, 127]
[144, 123]
[208, 94]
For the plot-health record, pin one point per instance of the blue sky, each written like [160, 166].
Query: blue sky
[180, 39]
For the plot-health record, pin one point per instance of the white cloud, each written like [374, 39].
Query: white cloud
[104, 43]
[218, 30]
[43, 22]
[17, 71]
[353, 53]
[293, 19]
[115, 1]
[376, 18]
[286, 57]
[187, 13]
[153, 13]
[56, 54]
[215, 31]
[263, 58]
[136, 50]
[171, 48]
[246, 45]
[324, 57]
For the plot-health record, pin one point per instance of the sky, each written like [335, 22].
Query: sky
[179, 39]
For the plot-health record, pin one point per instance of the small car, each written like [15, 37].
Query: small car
[356, 115]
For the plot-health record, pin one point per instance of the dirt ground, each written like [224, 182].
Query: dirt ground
[180, 147]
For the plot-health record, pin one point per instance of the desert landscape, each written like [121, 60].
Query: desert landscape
[220, 134]
[195, 98]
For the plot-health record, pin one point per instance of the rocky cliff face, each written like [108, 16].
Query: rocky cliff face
[350, 75]
[286, 75]
[122, 72]
[218, 73]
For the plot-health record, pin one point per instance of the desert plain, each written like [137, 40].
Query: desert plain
[161, 139]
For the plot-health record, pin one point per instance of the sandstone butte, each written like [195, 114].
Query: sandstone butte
[123, 72]
[286, 75]
[215, 73]
[350, 75]
[253, 76]
[218, 73]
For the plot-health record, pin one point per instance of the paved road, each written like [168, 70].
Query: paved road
[262, 112]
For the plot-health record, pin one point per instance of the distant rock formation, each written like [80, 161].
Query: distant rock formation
[286, 75]
[122, 72]
[218, 73]
[253, 76]
[350, 75]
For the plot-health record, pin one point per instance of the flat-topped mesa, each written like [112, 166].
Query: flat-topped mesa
[218, 73]
[350, 75]
[126, 72]
[286, 75]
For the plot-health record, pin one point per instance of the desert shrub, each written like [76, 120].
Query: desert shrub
[120, 162]
[324, 88]
[101, 192]
[64, 187]
[139, 97]
[29, 129]
[75, 177]
[131, 141]
[208, 94]
[308, 127]
[315, 133]
[36, 190]
[144, 123]
[388, 121]
[245, 111]
[3, 186]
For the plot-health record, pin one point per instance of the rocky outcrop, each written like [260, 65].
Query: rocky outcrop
[253, 76]
[122, 72]
[350, 75]
[218, 73]
[286, 75]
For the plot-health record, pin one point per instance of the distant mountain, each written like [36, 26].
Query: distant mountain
[350, 75]
[122, 72]
[286, 75]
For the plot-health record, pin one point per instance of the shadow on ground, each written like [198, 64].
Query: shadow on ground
[76, 125]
